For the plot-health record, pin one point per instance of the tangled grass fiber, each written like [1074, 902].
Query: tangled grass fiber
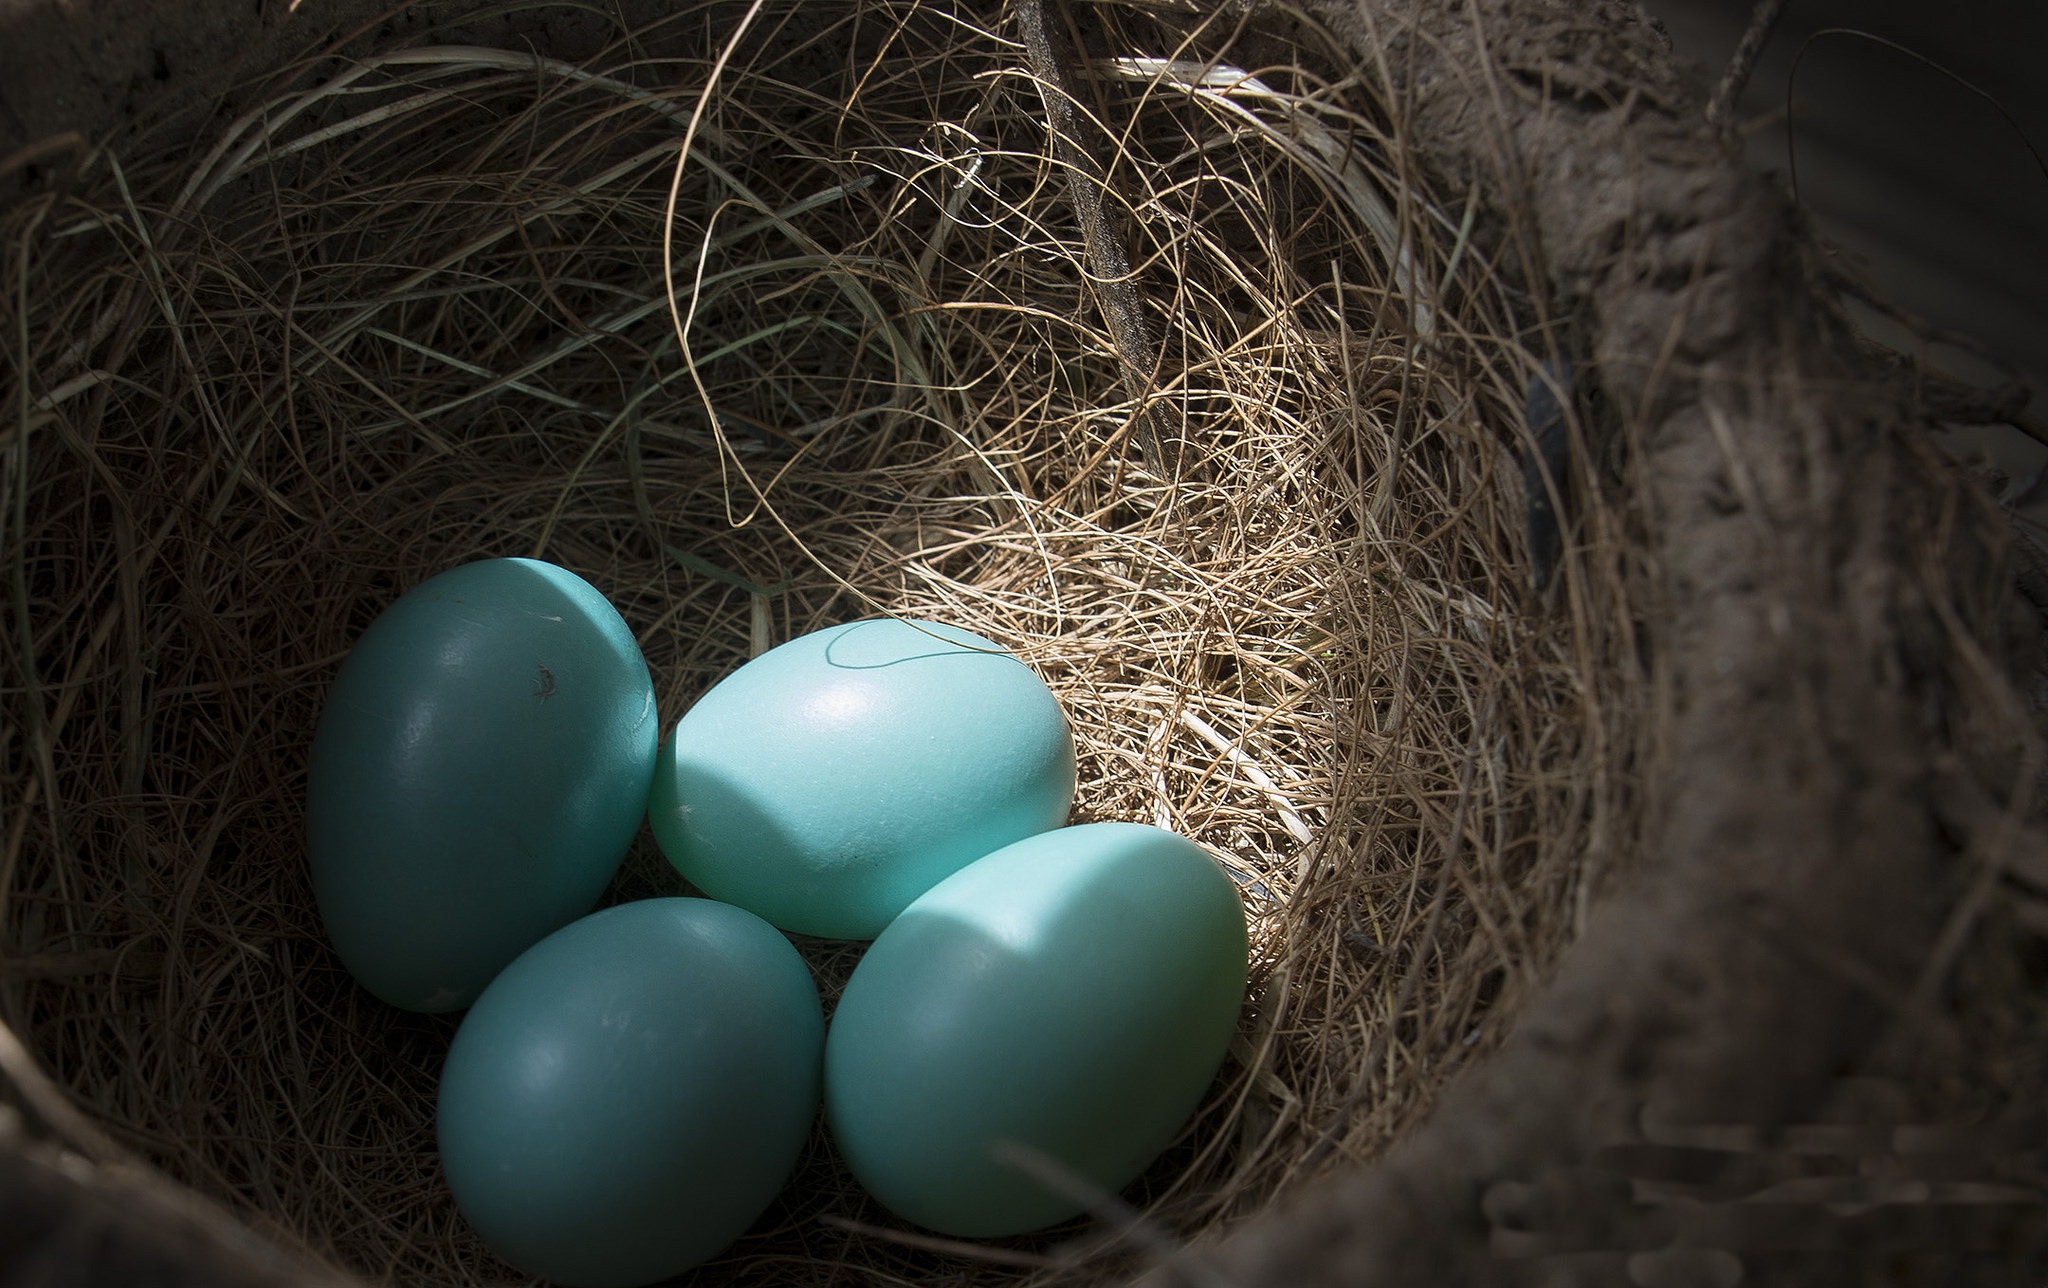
[433, 301]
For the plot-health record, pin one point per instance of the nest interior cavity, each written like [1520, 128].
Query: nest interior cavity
[433, 300]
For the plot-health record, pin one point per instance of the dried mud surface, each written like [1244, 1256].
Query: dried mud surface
[1826, 595]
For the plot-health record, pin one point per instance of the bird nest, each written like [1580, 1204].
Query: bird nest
[1146, 344]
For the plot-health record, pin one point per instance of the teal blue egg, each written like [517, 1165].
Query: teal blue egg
[480, 766]
[632, 1092]
[1073, 994]
[832, 780]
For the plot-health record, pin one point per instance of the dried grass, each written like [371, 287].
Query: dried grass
[410, 311]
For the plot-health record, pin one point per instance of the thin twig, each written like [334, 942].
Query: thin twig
[1721, 106]
[1115, 286]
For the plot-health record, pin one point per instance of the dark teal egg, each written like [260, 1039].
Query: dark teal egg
[478, 771]
[1073, 994]
[632, 1092]
[830, 781]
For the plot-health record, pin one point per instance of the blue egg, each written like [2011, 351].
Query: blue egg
[632, 1092]
[832, 780]
[479, 769]
[1072, 994]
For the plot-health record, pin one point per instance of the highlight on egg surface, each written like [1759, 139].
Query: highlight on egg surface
[480, 766]
[1072, 994]
[628, 1096]
[829, 782]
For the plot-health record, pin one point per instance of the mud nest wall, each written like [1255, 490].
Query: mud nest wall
[1198, 364]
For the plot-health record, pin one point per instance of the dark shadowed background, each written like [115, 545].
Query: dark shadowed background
[1929, 192]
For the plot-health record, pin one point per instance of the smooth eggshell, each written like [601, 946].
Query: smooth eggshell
[832, 780]
[480, 766]
[1073, 993]
[632, 1092]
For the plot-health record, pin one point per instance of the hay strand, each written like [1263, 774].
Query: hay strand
[759, 329]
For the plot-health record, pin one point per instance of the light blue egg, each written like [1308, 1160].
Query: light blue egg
[832, 780]
[1073, 993]
[480, 766]
[632, 1092]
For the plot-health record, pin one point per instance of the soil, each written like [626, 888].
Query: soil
[1783, 931]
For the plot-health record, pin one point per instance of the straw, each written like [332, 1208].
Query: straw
[414, 314]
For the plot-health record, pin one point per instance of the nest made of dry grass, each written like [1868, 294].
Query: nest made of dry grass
[413, 307]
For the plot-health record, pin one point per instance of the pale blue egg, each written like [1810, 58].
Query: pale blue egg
[479, 769]
[832, 780]
[632, 1092]
[1073, 993]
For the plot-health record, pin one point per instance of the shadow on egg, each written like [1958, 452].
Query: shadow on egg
[1036, 1028]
